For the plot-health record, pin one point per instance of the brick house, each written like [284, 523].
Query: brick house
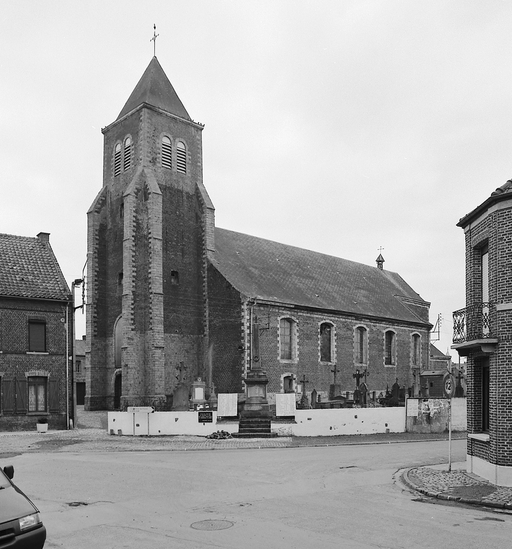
[483, 334]
[171, 298]
[34, 307]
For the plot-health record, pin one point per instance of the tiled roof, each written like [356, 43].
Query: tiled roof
[29, 269]
[154, 88]
[276, 272]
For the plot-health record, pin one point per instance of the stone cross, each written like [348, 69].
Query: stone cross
[335, 370]
[357, 376]
[182, 371]
[304, 381]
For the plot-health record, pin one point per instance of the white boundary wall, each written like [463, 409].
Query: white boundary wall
[340, 421]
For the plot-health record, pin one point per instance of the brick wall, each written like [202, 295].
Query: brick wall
[146, 248]
[16, 362]
[319, 374]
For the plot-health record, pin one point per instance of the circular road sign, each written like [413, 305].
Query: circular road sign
[448, 385]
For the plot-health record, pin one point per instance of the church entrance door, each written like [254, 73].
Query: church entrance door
[117, 391]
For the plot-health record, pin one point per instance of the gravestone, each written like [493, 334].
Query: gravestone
[314, 399]
[334, 390]
[180, 398]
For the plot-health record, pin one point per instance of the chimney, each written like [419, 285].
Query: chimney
[44, 237]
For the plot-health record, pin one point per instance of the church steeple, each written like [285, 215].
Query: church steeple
[154, 88]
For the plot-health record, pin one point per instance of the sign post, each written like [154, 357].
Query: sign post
[449, 390]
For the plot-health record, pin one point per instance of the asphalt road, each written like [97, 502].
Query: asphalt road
[307, 497]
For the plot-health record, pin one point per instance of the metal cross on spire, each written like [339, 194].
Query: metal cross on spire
[380, 249]
[155, 36]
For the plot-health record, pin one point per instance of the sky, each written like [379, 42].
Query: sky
[338, 126]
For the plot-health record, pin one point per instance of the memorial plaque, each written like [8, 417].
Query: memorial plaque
[205, 417]
[227, 404]
[285, 404]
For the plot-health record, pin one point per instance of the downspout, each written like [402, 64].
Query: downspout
[67, 366]
[495, 358]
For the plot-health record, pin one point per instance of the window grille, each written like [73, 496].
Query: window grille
[166, 153]
[181, 157]
[117, 160]
[127, 154]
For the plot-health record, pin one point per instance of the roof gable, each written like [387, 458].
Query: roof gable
[29, 269]
[271, 271]
[154, 88]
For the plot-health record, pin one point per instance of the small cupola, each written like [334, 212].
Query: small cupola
[380, 262]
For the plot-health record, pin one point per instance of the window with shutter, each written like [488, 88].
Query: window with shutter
[37, 394]
[37, 336]
[181, 157]
[166, 152]
[127, 160]
[117, 160]
[20, 396]
[53, 395]
[7, 396]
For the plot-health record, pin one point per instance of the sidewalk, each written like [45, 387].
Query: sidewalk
[457, 486]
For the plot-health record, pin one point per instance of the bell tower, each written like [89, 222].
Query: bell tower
[149, 231]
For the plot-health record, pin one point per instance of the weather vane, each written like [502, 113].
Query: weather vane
[155, 36]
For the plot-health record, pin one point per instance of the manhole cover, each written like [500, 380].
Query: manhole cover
[212, 525]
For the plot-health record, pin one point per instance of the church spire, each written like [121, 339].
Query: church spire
[154, 88]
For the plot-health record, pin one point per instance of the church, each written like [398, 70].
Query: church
[173, 300]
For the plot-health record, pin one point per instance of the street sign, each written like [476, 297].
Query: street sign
[140, 409]
[448, 385]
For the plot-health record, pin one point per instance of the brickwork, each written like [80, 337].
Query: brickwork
[306, 360]
[17, 363]
[151, 262]
[491, 228]
[227, 343]
[146, 244]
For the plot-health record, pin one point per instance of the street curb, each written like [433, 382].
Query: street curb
[446, 497]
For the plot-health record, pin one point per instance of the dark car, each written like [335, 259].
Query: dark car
[20, 524]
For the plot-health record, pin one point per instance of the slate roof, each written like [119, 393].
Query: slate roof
[275, 272]
[154, 88]
[500, 194]
[29, 269]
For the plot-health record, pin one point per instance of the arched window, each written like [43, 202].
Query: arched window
[326, 332]
[286, 339]
[361, 345]
[166, 152]
[127, 164]
[117, 159]
[118, 341]
[415, 350]
[181, 157]
[389, 348]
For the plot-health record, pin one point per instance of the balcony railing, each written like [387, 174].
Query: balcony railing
[473, 323]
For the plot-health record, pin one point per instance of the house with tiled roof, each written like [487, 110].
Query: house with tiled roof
[34, 309]
[175, 301]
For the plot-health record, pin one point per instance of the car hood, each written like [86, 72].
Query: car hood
[14, 504]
